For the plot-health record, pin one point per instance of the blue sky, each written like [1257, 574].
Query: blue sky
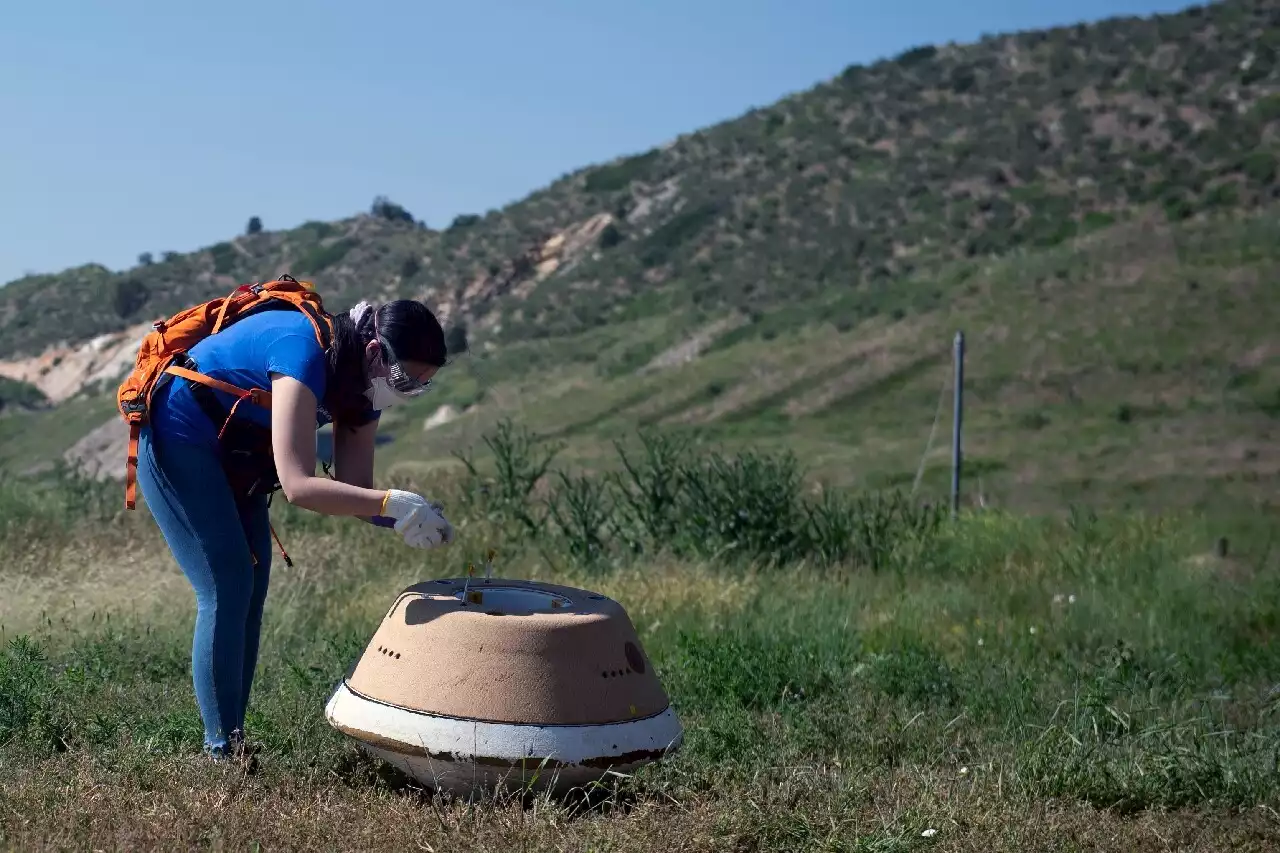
[134, 126]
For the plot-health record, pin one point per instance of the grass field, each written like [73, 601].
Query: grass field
[1084, 659]
[859, 674]
[853, 668]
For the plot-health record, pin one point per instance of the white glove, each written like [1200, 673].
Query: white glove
[432, 528]
[420, 522]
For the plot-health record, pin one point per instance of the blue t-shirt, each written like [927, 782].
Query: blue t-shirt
[244, 354]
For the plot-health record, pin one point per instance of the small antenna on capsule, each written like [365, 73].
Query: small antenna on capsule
[471, 572]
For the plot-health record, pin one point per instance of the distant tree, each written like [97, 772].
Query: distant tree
[170, 257]
[464, 220]
[963, 79]
[916, 55]
[21, 395]
[128, 295]
[255, 226]
[224, 258]
[1260, 166]
[145, 259]
[410, 267]
[455, 340]
[853, 74]
[610, 236]
[386, 209]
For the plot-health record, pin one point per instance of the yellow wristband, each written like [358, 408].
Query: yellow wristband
[385, 498]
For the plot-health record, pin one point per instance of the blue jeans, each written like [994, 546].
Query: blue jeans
[213, 538]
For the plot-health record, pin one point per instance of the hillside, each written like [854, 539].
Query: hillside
[942, 153]
[1136, 366]
[1094, 206]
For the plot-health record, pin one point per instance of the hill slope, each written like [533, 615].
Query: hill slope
[1092, 205]
[1136, 366]
[1020, 140]
[1133, 366]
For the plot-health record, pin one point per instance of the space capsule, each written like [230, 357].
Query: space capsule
[471, 683]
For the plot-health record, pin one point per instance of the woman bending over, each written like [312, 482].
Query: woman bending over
[194, 482]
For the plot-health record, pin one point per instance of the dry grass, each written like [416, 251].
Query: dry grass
[77, 804]
[1012, 683]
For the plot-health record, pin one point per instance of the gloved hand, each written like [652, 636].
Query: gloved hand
[430, 531]
[419, 521]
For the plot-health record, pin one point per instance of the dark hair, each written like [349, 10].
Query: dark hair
[411, 329]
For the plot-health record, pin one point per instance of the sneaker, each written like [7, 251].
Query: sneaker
[244, 751]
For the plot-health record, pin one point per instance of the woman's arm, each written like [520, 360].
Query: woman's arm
[293, 440]
[353, 452]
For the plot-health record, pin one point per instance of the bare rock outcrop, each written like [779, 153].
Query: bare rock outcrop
[100, 454]
[61, 371]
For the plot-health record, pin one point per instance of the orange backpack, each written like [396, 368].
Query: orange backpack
[170, 340]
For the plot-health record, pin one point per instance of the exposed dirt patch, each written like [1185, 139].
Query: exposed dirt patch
[686, 351]
[773, 373]
[61, 371]
[881, 365]
[440, 417]
[100, 454]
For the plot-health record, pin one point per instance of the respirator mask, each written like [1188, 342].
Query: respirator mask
[396, 387]
[382, 395]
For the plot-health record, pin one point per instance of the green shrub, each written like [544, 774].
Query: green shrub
[733, 507]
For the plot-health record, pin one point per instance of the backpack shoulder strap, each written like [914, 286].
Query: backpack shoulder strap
[303, 296]
[245, 300]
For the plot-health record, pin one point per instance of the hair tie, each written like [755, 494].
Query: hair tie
[358, 312]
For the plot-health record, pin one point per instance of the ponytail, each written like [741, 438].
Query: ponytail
[344, 395]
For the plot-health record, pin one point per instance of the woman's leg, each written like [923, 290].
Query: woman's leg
[187, 493]
[257, 526]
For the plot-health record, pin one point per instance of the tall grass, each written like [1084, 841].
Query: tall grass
[670, 497]
[851, 670]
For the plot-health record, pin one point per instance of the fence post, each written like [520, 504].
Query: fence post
[957, 410]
